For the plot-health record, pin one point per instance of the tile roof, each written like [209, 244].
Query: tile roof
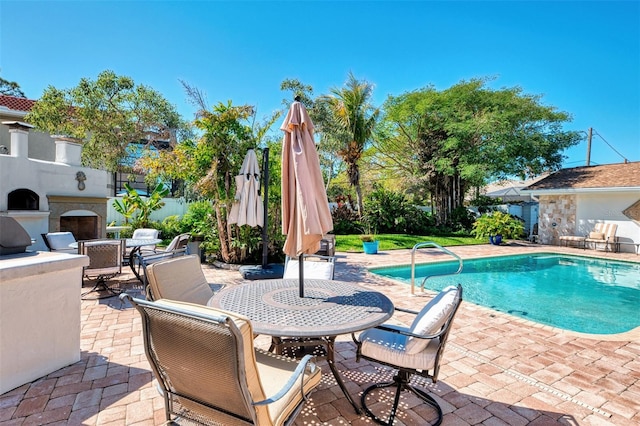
[620, 175]
[16, 104]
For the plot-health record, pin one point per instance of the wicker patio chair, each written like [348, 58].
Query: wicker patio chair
[105, 262]
[209, 371]
[180, 278]
[416, 350]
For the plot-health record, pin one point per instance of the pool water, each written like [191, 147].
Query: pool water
[570, 292]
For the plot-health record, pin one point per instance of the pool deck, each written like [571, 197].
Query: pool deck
[498, 369]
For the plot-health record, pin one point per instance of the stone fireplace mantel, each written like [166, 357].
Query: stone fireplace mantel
[59, 205]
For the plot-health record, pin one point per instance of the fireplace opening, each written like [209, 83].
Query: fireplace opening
[23, 199]
[82, 226]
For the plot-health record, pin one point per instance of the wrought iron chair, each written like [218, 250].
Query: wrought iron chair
[105, 262]
[415, 350]
[209, 371]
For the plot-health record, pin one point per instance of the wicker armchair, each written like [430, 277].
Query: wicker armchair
[209, 371]
[105, 262]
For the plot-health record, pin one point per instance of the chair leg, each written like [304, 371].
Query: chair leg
[100, 285]
[401, 382]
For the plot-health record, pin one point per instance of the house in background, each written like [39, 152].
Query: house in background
[42, 146]
[572, 201]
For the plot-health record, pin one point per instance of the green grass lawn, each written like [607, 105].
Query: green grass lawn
[353, 243]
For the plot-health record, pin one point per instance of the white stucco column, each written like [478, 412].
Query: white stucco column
[19, 138]
[68, 150]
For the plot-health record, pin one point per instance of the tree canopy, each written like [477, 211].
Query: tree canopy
[11, 88]
[448, 141]
[108, 115]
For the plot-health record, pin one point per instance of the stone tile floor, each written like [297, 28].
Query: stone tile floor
[497, 369]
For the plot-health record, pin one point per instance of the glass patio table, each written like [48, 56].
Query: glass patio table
[329, 309]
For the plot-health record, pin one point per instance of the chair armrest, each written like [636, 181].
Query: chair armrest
[298, 373]
[409, 311]
[406, 332]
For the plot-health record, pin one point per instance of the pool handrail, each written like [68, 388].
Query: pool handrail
[413, 263]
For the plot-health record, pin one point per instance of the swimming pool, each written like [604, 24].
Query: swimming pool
[571, 292]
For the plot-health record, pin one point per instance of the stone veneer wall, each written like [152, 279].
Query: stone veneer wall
[58, 205]
[557, 216]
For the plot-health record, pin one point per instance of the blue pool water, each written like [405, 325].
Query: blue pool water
[570, 292]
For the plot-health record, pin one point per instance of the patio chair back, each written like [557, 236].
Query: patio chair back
[209, 371]
[315, 266]
[59, 241]
[178, 278]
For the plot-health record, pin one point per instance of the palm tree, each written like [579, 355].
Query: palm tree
[354, 119]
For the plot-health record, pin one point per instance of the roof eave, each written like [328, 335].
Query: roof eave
[560, 191]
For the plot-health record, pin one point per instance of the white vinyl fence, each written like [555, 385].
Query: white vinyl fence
[172, 206]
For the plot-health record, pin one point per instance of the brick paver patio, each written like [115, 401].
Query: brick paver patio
[497, 370]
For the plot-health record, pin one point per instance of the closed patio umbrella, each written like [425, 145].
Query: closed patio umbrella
[247, 208]
[305, 209]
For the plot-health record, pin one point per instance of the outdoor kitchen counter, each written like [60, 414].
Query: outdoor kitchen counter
[39, 315]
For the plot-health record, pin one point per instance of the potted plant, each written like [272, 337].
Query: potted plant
[496, 226]
[369, 243]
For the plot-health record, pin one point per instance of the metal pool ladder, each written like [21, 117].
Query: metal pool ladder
[413, 263]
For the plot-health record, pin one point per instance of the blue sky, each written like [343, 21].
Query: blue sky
[581, 57]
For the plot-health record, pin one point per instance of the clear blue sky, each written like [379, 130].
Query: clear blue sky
[582, 57]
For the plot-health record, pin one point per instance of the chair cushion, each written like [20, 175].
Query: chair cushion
[431, 318]
[60, 240]
[180, 279]
[312, 269]
[275, 371]
[145, 233]
[391, 348]
[596, 235]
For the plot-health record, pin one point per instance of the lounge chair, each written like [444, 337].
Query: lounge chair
[411, 350]
[209, 372]
[603, 233]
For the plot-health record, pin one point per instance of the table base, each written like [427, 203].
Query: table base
[320, 347]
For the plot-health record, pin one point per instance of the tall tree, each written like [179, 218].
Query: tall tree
[11, 88]
[108, 115]
[451, 140]
[351, 125]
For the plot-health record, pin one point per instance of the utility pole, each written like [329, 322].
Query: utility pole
[589, 135]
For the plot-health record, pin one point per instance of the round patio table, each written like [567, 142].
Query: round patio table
[329, 309]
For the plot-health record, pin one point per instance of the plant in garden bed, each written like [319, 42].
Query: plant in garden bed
[498, 224]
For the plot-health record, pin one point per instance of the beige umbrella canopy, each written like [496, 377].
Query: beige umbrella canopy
[305, 208]
[247, 208]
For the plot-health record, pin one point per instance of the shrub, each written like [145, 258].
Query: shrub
[498, 223]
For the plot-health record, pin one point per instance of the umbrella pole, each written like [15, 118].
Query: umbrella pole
[301, 274]
[265, 200]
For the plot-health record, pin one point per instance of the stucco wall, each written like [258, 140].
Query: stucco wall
[577, 214]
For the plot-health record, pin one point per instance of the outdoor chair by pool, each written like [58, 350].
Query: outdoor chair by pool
[209, 371]
[315, 266]
[59, 242]
[180, 278]
[415, 350]
[105, 262]
[603, 233]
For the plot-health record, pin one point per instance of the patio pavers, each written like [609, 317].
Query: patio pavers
[497, 369]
